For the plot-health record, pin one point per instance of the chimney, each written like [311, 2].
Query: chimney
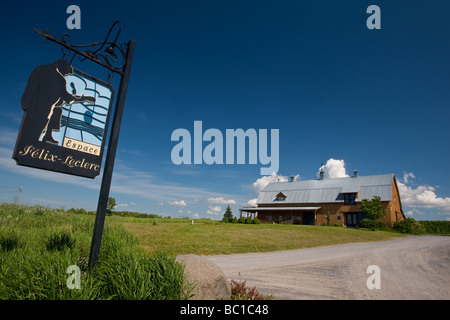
[355, 173]
[292, 178]
[322, 173]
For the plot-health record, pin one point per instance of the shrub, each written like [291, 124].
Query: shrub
[373, 209]
[256, 221]
[235, 220]
[409, 225]
[373, 225]
[436, 227]
[248, 220]
[239, 291]
[60, 241]
[40, 210]
[241, 220]
[8, 242]
[125, 274]
[366, 223]
[81, 211]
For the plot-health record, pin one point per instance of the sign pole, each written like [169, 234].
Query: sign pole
[110, 158]
[48, 152]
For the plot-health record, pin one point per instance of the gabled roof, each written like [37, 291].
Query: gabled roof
[329, 190]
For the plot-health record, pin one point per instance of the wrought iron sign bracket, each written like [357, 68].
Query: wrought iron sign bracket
[107, 58]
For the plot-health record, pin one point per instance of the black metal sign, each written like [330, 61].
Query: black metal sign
[66, 116]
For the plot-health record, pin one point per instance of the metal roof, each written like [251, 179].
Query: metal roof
[328, 190]
[254, 209]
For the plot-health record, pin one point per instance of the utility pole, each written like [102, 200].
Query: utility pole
[18, 196]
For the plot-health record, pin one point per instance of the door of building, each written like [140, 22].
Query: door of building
[351, 219]
[308, 218]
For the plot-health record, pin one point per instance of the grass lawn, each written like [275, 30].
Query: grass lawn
[137, 256]
[227, 238]
[38, 245]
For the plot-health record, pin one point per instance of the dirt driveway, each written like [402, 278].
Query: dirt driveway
[415, 267]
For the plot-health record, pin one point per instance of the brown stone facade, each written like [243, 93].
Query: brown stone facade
[329, 213]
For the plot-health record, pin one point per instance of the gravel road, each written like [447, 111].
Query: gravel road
[414, 267]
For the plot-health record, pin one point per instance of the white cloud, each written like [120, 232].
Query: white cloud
[180, 203]
[214, 210]
[406, 176]
[262, 182]
[333, 169]
[221, 200]
[414, 211]
[422, 197]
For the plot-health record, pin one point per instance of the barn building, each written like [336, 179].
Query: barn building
[313, 202]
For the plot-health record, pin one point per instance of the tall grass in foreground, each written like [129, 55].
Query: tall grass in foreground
[37, 245]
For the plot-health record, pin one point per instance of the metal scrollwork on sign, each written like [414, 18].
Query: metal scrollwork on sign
[113, 57]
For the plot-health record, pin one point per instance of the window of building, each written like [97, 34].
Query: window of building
[281, 197]
[350, 198]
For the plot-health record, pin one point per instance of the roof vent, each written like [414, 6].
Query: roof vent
[292, 178]
[355, 173]
[322, 174]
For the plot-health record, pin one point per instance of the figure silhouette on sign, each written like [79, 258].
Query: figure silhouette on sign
[44, 95]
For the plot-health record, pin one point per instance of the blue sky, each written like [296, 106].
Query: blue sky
[376, 101]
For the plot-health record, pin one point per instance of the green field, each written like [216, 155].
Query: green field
[38, 245]
[211, 238]
[137, 256]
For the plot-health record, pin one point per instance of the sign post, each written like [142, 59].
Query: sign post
[110, 158]
[66, 116]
